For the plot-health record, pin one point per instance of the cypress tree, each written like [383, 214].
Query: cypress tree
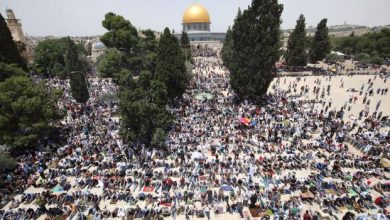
[296, 51]
[226, 51]
[170, 67]
[71, 57]
[9, 52]
[227, 48]
[320, 46]
[78, 86]
[184, 41]
[256, 43]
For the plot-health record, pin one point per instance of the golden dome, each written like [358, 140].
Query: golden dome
[196, 13]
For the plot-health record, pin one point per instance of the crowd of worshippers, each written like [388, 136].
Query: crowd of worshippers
[203, 51]
[221, 156]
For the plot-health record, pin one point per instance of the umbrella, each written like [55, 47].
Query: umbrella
[226, 188]
[379, 201]
[351, 192]
[203, 96]
[245, 120]
[203, 189]
[254, 123]
[57, 189]
[148, 189]
[269, 212]
[294, 211]
[349, 177]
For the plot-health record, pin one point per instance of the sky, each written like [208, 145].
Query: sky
[84, 17]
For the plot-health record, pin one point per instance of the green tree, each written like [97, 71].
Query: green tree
[111, 63]
[148, 50]
[372, 44]
[9, 52]
[296, 50]
[78, 86]
[134, 64]
[9, 70]
[7, 163]
[256, 43]
[186, 47]
[27, 112]
[145, 119]
[121, 33]
[85, 64]
[171, 68]
[320, 46]
[50, 57]
[376, 60]
[332, 57]
[227, 49]
[184, 41]
[71, 57]
[362, 56]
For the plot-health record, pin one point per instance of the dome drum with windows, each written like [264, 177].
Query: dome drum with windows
[196, 19]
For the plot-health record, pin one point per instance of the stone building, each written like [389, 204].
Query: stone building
[15, 26]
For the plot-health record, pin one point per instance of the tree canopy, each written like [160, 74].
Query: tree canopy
[9, 52]
[149, 73]
[120, 34]
[171, 69]
[27, 110]
[320, 46]
[50, 57]
[184, 41]
[111, 63]
[137, 53]
[296, 50]
[375, 46]
[10, 70]
[77, 80]
[78, 86]
[71, 57]
[144, 116]
[226, 52]
[256, 43]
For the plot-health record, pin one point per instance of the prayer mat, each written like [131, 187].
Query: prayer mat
[148, 189]
[331, 191]
[166, 204]
[113, 202]
[343, 208]
[269, 212]
[255, 213]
